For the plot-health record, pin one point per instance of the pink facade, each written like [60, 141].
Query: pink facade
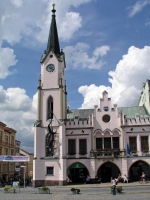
[86, 142]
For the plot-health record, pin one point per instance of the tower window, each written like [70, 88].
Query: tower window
[50, 108]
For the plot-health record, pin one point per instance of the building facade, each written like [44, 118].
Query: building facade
[28, 165]
[7, 147]
[104, 141]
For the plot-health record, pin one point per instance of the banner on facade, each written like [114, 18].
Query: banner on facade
[14, 158]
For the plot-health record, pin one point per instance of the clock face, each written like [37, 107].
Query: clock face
[106, 118]
[50, 68]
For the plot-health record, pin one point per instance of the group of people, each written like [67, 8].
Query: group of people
[124, 179]
[114, 182]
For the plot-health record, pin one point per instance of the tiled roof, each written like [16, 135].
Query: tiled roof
[80, 113]
[132, 111]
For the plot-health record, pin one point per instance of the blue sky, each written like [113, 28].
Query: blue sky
[107, 47]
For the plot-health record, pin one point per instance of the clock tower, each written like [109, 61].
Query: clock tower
[52, 95]
[51, 111]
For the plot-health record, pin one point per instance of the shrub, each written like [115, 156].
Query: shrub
[43, 188]
[6, 188]
[72, 189]
[119, 189]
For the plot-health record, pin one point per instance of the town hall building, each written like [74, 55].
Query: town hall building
[101, 142]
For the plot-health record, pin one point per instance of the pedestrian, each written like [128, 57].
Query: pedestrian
[87, 179]
[113, 181]
[26, 183]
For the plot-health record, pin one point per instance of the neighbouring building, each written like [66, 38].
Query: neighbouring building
[28, 165]
[7, 147]
[104, 141]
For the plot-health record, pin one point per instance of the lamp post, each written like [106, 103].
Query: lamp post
[24, 171]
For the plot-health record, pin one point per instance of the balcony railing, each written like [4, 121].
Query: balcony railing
[109, 153]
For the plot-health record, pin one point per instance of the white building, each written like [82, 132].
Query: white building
[87, 141]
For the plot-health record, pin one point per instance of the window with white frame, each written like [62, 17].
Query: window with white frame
[50, 170]
[82, 146]
[133, 144]
[99, 143]
[115, 142]
[107, 143]
[144, 144]
[71, 146]
[50, 108]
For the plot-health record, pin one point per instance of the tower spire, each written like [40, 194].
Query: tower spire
[53, 41]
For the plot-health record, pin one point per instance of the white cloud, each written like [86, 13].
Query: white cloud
[18, 112]
[147, 23]
[7, 59]
[139, 5]
[17, 3]
[20, 19]
[71, 23]
[77, 56]
[126, 81]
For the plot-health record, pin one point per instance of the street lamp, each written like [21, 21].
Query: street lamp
[24, 171]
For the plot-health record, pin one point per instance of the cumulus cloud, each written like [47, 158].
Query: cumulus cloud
[20, 19]
[126, 80]
[77, 56]
[7, 59]
[147, 23]
[137, 7]
[18, 111]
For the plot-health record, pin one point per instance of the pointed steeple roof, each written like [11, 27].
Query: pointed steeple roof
[53, 41]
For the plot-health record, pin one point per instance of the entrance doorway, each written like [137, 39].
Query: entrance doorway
[137, 168]
[108, 170]
[77, 172]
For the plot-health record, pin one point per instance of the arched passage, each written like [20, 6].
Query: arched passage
[137, 168]
[108, 170]
[77, 172]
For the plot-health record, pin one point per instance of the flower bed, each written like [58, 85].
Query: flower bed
[75, 190]
[9, 189]
[44, 190]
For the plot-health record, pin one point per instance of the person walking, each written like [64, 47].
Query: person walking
[113, 181]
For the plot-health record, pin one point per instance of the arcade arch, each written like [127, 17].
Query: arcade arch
[137, 168]
[77, 172]
[108, 170]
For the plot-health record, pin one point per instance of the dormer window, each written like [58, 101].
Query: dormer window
[106, 108]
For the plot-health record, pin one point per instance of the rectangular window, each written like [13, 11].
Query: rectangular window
[82, 147]
[144, 144]
[17, 150]
[98, 143]
[107, 143]
[12, 140]
[133, 145]
[71, 146]
[6, 138]
[6, 152]
[12, 152]
[11, 167]
[1, 132]
[115, 142]
[50, 170]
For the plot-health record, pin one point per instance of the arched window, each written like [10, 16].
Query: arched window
[50, 108]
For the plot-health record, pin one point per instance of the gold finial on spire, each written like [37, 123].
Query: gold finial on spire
[53, 5]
